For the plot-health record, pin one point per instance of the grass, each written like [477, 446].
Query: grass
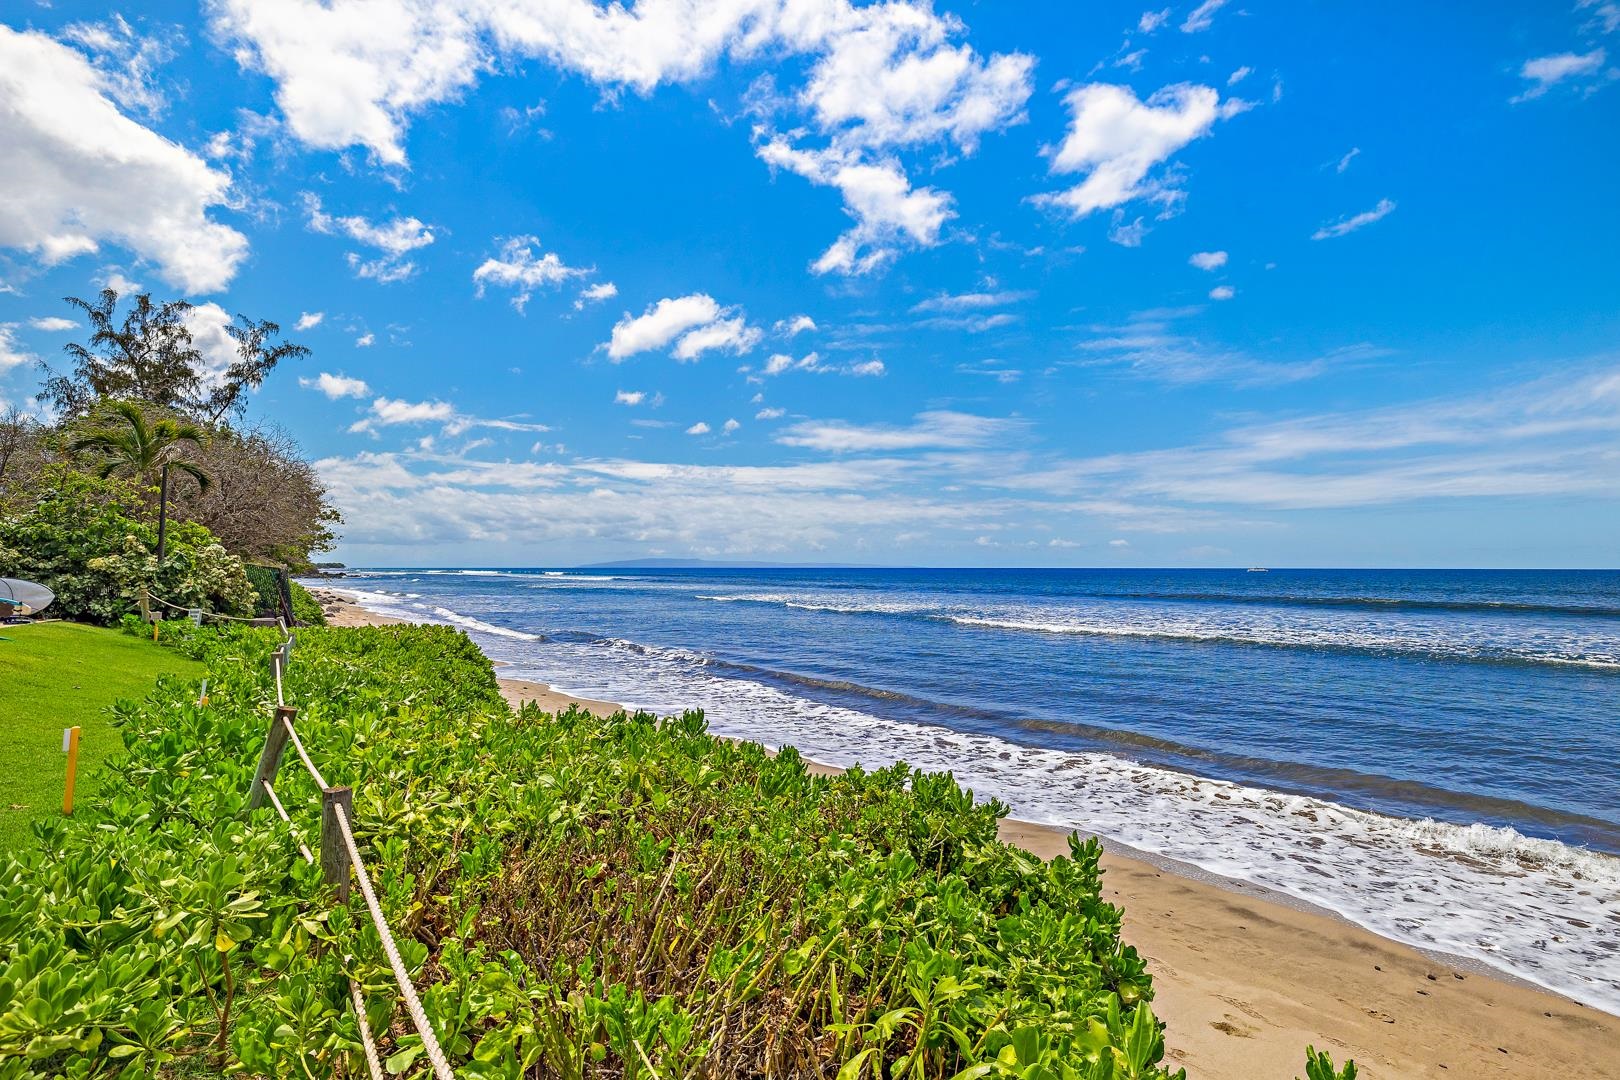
[53, 676]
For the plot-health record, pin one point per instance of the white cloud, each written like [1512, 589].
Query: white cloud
[1546, 72]
[629, 397]
[695, 323]
[1202, 17]
[699, 428]
[1119, 543]
[127, 61]
[309, 320]
[770, 414]
[393, 411]
[733, 335]
[880, 77]
[1344, 162]
[935, 429]
[336, 386]
[969, 301]
[518, 268]
[660, 324]
[1356, 221]
[1117, 140]
[595, 294]
[729, 426]
[1605, 15]
[1152, 20]
[971, 324]
[1126, 233]
[12, 354]
[78, 173]
[816, 365]
[394, 240]
[52, 324]
[1222, 292]
[1208, 260]
[365, 341]
[1239, 75]
[888, 211]
[794, 326]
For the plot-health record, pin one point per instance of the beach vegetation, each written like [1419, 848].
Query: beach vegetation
[90, 540]
[576, 897]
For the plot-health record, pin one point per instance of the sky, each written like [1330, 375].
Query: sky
[1225, 283]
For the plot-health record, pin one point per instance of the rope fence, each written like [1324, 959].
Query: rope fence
[340, 855]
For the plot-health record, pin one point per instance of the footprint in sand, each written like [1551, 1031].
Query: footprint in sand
[1230, 1027]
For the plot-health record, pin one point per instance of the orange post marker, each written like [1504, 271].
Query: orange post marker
[70, 746]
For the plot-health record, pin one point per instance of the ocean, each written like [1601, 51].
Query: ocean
[1434, 755]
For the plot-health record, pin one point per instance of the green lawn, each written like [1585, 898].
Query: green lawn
[53, 676]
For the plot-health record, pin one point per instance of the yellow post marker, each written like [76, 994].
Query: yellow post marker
[70, 747]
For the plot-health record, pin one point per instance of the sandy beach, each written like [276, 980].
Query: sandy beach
[1245, 978]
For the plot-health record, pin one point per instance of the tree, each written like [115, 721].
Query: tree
[139, 448]
[150, 356]
[266, 502]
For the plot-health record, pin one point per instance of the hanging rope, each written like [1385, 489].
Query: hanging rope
[430, 1041]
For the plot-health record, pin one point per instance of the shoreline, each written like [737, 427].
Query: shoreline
[1246, 977]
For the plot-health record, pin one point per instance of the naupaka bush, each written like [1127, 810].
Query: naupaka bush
[577, 898]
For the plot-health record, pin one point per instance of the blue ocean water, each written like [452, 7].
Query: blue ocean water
[1434, 754]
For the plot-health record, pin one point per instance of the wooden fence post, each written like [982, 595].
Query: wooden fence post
[275, 741]
[286, 597]
[334, 852]
[70, 747]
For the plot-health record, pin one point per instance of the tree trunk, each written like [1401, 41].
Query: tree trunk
[163, 510]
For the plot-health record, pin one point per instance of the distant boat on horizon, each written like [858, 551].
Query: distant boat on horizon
[1258, 570]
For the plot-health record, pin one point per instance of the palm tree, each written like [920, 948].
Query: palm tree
[140, 447]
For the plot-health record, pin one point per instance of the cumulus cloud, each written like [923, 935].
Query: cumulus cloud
[518, 267]
[770, 414]
[336, 386]
[940, 428]
[1546, 72]
[1208, 260]
[729, 426]
[393, 241]
[309, 320]
[695, 324]
[629, 397]
[887, 210]
[1222, 292]
[795, 326]
[699, 428]
[78, 173]
[595, 294]
[880, 78]
[53, 324]
[1356, 221]
[1152, 20]
[1117, 140]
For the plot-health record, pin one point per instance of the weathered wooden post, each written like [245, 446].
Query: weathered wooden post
[334, 852]
[286, 597]
[275, 741]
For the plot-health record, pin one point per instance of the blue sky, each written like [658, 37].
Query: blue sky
[968, 284]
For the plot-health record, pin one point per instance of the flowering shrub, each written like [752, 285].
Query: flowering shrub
[88, 541]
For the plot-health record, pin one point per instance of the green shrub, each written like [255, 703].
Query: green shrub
[306, 609]
[576, 897]
[88, 541]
